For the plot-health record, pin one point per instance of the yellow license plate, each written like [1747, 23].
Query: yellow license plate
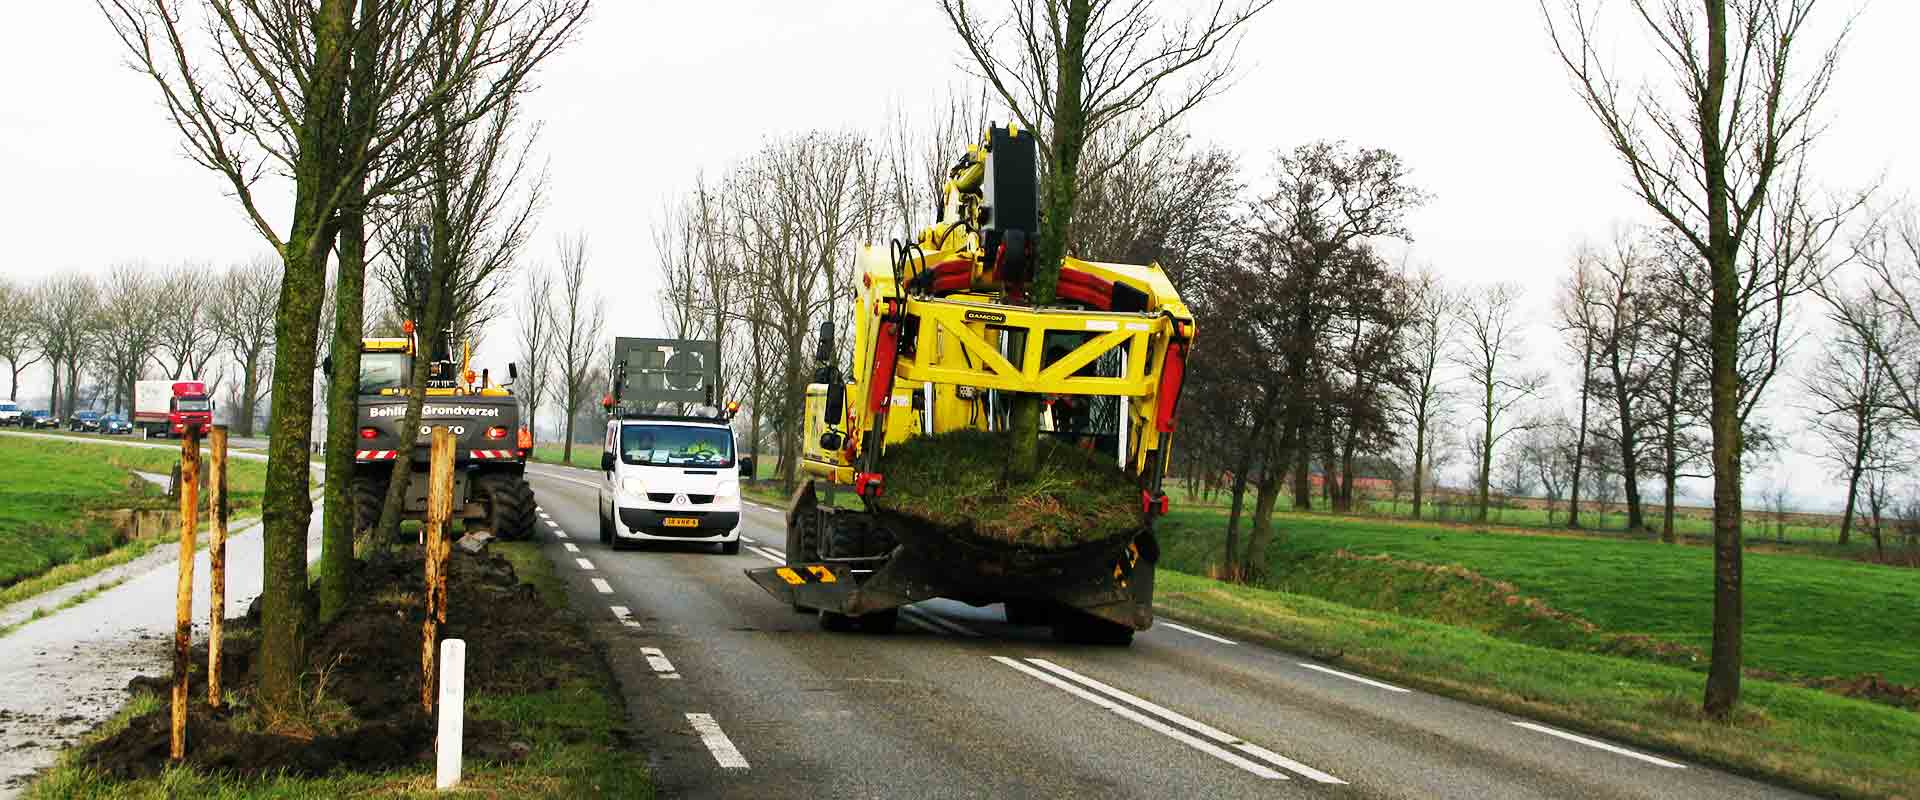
[682, 522]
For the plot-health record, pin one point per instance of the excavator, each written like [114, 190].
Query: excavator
[490, 458]
[944, 336]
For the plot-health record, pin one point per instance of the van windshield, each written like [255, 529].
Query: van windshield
[676, 446]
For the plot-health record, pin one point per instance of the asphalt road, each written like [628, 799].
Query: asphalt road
[735, 695]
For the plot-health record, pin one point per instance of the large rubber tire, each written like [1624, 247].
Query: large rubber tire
[835, 621]
[730, 548]
[606, 527]
[802, 547]
[509, 502]
[368, 497]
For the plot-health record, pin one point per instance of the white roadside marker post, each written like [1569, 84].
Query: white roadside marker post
[453, 668]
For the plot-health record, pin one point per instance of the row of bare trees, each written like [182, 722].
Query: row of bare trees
[96, 335]
[375, 119]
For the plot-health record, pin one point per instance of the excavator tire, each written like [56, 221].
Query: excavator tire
[509, 502]
[369, 495]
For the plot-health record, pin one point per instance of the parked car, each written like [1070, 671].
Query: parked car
[114, 423]
[84, 421]
[10, 414]
[42, 419]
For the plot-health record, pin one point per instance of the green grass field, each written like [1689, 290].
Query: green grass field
[49, 490]
[1805, 616]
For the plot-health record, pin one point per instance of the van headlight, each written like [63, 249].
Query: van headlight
[729, 489]
[633, 485]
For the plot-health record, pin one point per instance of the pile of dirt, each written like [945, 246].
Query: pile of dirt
[360, 706]
[958, 481]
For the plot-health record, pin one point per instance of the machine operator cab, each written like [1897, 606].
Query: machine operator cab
[671, 479]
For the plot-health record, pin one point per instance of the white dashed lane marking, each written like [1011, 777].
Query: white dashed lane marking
[625, 616]
[724, 753]
[600, 585]
[584, 564]
[658, 661]
[571, 547]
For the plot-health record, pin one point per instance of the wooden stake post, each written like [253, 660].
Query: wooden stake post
[189, 492]
[434, 537]
[217, 557]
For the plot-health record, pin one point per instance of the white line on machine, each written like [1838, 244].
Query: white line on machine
[1199, 633]
[658, 661]
[1150, 723]
[1189, 723]
[1355, 678]
[1595, 743]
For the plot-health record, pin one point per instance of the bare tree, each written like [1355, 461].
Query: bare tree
[244, 319]
[1852, 407]
[1548, 449]
[187, 341]
[1069, 69]
[1705, 156]
[127, 328]
[17, 340]
[1490, 354]
[1427, 395]
[535, 311]
[64, 313]
[1575, 316]
[579, 322]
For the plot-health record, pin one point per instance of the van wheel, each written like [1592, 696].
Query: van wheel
[730, 548]
[606, 526]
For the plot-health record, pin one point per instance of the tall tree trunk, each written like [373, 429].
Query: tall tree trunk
[1419, 457]
[1580, 438]
[1250, 448]
[1068, 137]
[1723, 672]
[1254, 567]
[1486, 455]
[286, 508]
[1670, 441]
[336, 538]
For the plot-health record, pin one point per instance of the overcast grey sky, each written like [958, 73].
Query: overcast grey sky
[1468, 92]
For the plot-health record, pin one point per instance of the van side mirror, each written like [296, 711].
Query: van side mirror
[746, 467]
[836, 404]
[606, 462]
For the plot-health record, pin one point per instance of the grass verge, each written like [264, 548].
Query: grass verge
[1806, 617]
[1784, 734]
[548, 693]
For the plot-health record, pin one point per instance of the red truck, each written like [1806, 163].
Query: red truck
[169, 408]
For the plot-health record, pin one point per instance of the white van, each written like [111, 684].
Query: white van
[670, 479]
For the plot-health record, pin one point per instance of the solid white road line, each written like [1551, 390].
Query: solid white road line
[1355, 678]
[658, 661]
[571, 547]
[949, 625]
[1201, 634]
[1601, 745]
[1150, 723]
[717, 742]
[767, 555]
[625, 616]
[1194, 725]
[584, 564]
[749, 539]
[600, 585]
